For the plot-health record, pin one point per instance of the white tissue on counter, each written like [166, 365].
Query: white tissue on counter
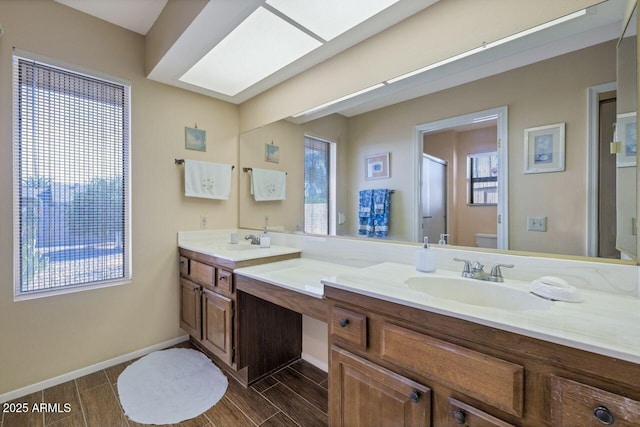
[555, 288]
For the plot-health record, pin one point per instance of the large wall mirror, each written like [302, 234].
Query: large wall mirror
[545, 103]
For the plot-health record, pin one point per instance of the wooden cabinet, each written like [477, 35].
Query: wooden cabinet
[468, 374]
[370, 395]
[210, 308]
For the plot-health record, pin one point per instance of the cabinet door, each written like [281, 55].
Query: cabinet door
[190, 308]
[362, 393]
[217, 330]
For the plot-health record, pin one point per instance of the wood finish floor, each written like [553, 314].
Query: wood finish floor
[293, 396]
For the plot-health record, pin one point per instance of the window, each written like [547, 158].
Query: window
[482, 176]
[319, 188]
[71, 180]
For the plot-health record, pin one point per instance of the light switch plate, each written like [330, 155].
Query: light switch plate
[536, 223]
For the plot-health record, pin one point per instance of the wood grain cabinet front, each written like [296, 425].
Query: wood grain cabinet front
[217, 331]
[365, 394]
[462, 414]
[349, 326]
[577, 404]
[190, 306]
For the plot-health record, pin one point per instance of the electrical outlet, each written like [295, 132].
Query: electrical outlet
[536, 223]
[203, 221]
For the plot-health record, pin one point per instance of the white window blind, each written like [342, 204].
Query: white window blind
[71, 179]
[316, 185]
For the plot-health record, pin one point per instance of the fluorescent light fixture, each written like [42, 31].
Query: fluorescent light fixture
[335, 101]
[330, 18]
[486, 46]
[261, 45]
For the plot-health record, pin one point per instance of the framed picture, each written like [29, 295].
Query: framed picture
[376, 166]
[272, 153]
[626, 134]
[195, 139]
[544, 149]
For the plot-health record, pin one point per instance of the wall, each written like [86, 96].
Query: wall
[47, 337]
[547, 92]
[288, 214]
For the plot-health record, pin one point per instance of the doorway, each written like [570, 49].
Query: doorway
[434, 197]
[500, 117]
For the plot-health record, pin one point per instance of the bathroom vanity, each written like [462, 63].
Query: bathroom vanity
[403, 351]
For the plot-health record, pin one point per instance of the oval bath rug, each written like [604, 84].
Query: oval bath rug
[170, 386]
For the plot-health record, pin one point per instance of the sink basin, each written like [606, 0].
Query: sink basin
[478, 293]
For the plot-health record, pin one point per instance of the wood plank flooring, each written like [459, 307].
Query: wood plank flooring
[293, 396]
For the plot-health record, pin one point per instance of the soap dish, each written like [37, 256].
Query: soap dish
[555, 289]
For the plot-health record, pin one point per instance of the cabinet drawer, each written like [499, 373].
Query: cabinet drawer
[184, 266]
[202, 273]
[493, 381]
[224, 281]
[576, 404]
[349, 326]
[460, 413]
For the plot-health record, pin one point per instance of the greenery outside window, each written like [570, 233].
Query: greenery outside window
[71, 180]
[482, 179]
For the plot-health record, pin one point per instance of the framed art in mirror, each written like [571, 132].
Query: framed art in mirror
[376, 166]
[544, 149]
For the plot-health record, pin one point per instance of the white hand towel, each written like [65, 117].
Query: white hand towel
[208, 180]
[268, 185]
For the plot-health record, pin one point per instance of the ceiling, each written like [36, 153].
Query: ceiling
[218, 19]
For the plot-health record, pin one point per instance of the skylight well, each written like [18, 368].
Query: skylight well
[274, 36]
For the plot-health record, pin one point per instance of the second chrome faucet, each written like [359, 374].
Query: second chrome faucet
[476, 271]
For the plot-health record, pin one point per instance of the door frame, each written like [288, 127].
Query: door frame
[593, 157]
[501, 115]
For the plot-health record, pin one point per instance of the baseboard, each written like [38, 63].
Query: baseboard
[315, 362]
[11, 395]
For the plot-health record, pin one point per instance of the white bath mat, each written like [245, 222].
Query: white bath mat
[170, 386]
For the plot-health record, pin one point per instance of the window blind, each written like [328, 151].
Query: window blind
[316, 185]
[71, 178]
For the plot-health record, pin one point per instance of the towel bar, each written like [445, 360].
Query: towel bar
[181, 162]
[250, 169]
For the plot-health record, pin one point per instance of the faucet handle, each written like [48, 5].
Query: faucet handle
[496, 273]
[477, 266]
[467, 265]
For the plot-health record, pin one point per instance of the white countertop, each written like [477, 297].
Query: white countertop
[301, 274]
[218, 244]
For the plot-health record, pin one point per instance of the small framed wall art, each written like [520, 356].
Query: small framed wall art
[544, 149]
[376, 166]
[195, 139]
[272, 153]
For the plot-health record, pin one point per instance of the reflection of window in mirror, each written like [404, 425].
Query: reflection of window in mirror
[482, 178]
[319, 186]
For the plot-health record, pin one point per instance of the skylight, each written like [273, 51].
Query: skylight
[274, 36]
[261, 45]
[330, 18]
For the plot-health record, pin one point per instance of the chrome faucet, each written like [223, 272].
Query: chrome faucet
[476, 271]
[255, 240]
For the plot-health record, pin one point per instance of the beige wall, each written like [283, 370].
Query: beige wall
[548, 92]
[434, 34]
[288, 214]
[47, 337]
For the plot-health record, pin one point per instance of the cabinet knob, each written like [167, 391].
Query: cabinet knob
[603, 415]
[414, 396]
[459, 416]
[343, 322]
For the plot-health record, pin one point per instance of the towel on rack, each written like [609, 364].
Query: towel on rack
[208, 180]
[268, 185]
[382, 210]
[365, 216]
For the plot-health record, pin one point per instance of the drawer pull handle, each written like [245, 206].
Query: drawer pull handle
[223, 278]
[343, 322]
[414, 396]
[459, 416]
[603, 415]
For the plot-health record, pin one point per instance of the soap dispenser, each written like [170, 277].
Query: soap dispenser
[425, 259]
[443, 240]
[265, 239]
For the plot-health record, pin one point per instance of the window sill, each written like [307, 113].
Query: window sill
[68, 290]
